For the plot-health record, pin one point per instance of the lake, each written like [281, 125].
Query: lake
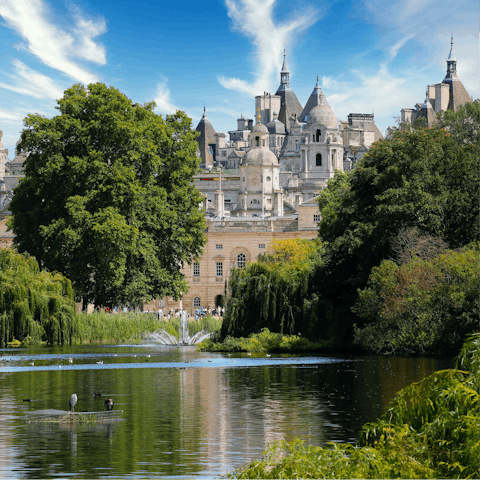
[184, 413]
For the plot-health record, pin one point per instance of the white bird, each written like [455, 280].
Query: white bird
[72, 402]
[268, 355]
[248, 353]
[100, 363]
[31, 363]
[70, 360]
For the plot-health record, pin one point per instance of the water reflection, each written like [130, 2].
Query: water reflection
[186, 413]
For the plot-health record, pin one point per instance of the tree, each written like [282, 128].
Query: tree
[35, 305]
[275, 292]
[421, 306]
[424, 178]
[107, 197]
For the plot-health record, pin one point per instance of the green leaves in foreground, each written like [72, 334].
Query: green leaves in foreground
[431, 430]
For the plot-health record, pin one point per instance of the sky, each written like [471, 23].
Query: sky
[370, 55]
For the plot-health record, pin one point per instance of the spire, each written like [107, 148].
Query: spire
[284, 74]
[451, 64]
[284, 66]
[452, 55]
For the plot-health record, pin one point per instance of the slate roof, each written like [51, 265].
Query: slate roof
[206, 139]
[312, 102]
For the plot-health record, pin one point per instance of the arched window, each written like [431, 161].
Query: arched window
[241, 260]
[196, 302]
[319, 134]
[318, 160]
[257, 141]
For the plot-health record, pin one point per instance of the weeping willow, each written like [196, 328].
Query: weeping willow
[35, 306]
[277, 293]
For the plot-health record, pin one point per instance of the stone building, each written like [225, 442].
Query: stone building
[450, 94]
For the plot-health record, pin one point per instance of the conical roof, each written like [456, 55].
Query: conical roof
[206, 140]
[321, 113]
[427, 112]
[317, 97]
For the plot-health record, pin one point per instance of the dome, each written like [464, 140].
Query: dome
[322, 114]
[276, 126]
[259, 128]
[260, 156]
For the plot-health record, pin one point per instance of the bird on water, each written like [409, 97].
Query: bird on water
[108, 404]
[72, 402]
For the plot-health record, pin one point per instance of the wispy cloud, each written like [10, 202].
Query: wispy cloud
[52, 45]
[31, 83]
[11, 117]
[163, 100]
[255, 20]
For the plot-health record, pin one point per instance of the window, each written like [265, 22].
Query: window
[241, 260]
[224, 154]
[316, 218]
[196, 269]
[318, 160]
[261, 246]
[268, 179]
[218, 247]
[219, 269]
[196, 302]
[318, 134]
[257, 141]
[254, 201]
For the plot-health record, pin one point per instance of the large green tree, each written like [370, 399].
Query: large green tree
[107, 197]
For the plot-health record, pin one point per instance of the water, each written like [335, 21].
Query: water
[186, 414]
[164, 338]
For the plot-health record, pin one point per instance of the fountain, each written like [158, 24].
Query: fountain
[164, 338]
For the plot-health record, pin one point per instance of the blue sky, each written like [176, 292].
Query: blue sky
[370, 55]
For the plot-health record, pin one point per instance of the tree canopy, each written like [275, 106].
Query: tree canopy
[107, 197]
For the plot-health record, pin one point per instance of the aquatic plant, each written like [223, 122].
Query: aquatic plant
[35, 305]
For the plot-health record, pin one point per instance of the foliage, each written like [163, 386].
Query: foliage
[107, 197]
[422, 306]
[101, 327]
[265, 342]
[274, 293]
[431, 430]
[35, 306]
[462, 124]
[423, 179]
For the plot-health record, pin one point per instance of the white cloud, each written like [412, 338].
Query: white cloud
[31, 83]
[254, 20]
[11, 117]
[163, 100]
[52, 45]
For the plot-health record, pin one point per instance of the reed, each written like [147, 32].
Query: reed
[101, 327]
